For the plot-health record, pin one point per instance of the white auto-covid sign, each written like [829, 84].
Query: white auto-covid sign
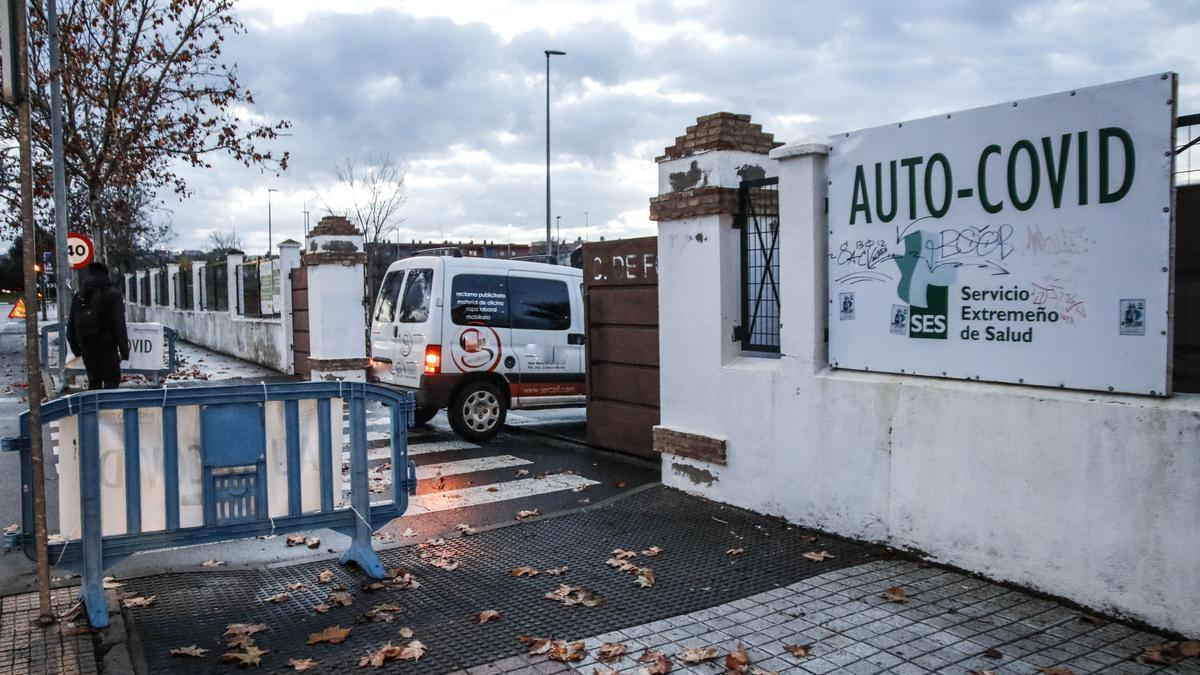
[147, 349]
[1026, 242]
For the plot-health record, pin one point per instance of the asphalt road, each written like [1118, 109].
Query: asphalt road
[479, 485]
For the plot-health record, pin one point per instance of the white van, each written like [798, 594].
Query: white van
[480, 336]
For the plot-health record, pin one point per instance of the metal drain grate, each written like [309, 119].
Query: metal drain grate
[694, 572]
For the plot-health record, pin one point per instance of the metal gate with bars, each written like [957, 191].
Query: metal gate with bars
[300, 343]
[758, 219]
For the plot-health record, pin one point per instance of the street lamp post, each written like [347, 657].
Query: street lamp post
[549, 53]
[270, 241]
[557, 238]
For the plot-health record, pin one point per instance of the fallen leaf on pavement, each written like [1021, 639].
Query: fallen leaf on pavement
[981, 672]
[528, 514]
[524, 572]
[341, 598]
[737, 661]
[294, 540]
[1055, 670]
[798, 651]
[278, 598]
[415, 650]
[735, 551]
[385, 613]
[659, 663]
[244, 629]
[610, 651]
[992, 654]
[557, 571]
[325, 577]
[693, 655]
[819, 556]
[621, 565]
[622, 554]
[574, 595]
[433, 541]
[190, 650]
[537, 646]
[807, 539]
[652, 551]
[333, 635]
[313, 542]
[597, 670]
[566, 652]
[1092, 619]
[645, 577]
[301, 664]
[1189, 648]
[212, 563]
[405, 632]
[1169, 653]
[250, 656]
[448, 564]
[465, 529]
[408, 532]
[383, 536]
[296, 586]
[487, 615]
[619, 484]
[322, 608]
[111, 583]
[579, 488]
[522, 472]
[138, 601]
[895, 594]
[493, 489]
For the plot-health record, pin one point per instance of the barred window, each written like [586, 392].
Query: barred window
[758, 219]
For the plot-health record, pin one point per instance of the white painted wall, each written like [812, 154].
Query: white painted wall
[260, 341]
[1082, 495]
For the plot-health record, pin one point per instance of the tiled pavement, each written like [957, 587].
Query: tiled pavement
[26, 647]
[945, 625]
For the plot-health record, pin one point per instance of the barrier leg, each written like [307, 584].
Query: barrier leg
[92, 588]
[361, 553]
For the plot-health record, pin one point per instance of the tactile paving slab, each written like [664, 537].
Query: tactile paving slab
[694, 571]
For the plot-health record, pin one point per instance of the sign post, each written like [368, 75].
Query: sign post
[1027, 242]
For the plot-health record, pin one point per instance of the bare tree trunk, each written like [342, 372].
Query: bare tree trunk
[32, 366]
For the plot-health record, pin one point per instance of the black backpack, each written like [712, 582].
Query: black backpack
[91, 313]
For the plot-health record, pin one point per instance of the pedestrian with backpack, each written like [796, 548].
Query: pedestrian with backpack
[96, 329]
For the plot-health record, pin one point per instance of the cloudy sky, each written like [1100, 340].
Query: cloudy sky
[457, 89]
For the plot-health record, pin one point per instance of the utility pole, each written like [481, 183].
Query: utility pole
[61, 266]
[585, 226]
[32, 367]
[549, 53]
[270, 243]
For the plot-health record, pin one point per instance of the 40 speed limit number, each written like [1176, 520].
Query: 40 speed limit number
[80, 250]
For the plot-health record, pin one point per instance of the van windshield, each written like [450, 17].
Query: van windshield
[415, 306]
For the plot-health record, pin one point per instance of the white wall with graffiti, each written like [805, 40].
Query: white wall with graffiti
[1087, 495]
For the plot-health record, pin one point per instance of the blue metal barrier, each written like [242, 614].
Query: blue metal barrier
[172, 358]
[230, 456]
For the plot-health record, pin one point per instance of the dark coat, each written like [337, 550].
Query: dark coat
[112, 337]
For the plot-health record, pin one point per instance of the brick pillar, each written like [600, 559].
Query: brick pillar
[699, 268]
[336, 264]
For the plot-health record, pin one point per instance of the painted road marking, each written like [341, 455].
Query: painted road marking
[384, 477]
[415, 449]
[475, 496]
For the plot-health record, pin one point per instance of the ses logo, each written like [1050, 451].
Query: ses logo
[926, 289]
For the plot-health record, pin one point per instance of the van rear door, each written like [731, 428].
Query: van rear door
[542, 316]
[415, 328]
[383, 326]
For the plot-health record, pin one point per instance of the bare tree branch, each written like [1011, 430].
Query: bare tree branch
[375, 193]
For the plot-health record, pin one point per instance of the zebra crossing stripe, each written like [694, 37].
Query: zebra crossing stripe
[475, 496]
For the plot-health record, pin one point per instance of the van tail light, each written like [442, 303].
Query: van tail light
[433, 359]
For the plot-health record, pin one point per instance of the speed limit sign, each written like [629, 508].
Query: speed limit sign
[80, 250]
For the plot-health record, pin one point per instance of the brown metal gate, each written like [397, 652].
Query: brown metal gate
[300, 344]
[621, 293]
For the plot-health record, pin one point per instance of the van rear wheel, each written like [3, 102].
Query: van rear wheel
[478, 411]
[422, 416]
